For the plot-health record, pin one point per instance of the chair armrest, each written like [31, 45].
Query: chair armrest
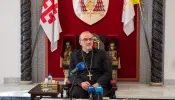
[67, 88]
[67, 85]
[114, 85]
[113, 89]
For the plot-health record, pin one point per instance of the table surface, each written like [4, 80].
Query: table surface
[37, 90]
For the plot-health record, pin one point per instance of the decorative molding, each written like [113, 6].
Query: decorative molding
[26, 82]
[145, 31]
[157, 42]
[26, 68]
[156, 84]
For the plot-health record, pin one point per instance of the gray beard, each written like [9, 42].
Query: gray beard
[87, 50]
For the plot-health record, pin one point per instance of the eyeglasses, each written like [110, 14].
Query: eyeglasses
[86, 39]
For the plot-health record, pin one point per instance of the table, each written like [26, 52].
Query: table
[36, 91]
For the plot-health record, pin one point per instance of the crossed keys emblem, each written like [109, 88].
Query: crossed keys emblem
[90, 11]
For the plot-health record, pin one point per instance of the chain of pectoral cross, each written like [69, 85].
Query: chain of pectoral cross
[89, 71]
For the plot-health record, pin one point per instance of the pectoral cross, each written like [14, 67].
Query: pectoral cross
[89, 75]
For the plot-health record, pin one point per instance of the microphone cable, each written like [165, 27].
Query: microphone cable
[70, 91]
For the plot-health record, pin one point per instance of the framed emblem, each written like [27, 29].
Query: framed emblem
[90, 11]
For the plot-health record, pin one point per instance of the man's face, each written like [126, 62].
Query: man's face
[86, 41]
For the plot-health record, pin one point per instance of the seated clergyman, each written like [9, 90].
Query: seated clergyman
[98, 71]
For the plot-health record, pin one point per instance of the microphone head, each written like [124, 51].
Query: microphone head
[91, 89]
[81, 66]
[99, 90]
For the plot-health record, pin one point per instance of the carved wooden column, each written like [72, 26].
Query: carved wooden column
[26, 68]
[157, 42]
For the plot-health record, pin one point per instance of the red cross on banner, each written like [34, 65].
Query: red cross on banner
[50, 23]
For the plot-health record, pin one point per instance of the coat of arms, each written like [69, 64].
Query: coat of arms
[90, 11]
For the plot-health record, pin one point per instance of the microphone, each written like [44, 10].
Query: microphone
[79, 66]
[91, 91]
[99, 92]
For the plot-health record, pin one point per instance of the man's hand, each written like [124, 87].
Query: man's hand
[96, 85]
[85, 85]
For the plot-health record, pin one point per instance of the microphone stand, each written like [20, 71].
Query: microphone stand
[90, 96]
[99, 97]
[70, 91]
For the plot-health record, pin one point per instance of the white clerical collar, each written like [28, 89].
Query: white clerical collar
[87, 51]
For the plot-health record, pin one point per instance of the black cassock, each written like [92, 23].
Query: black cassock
[101, 70]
